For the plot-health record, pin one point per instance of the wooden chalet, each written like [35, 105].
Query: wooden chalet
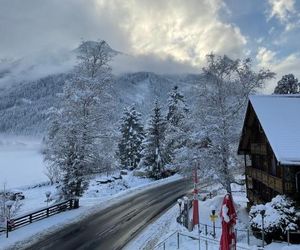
[270, 143]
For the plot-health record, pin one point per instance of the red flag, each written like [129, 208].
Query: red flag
[228, 216]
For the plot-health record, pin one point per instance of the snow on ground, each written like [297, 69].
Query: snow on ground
[21, 162]
[35, 198]
[97, 198]
[166, 228]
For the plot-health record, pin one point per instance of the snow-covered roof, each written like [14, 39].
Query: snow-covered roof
[279, 116]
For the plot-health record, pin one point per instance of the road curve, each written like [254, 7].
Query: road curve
[115, 226]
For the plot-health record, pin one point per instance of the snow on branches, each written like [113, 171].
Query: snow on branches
[279, 217]
[222, 104]
[132, 136]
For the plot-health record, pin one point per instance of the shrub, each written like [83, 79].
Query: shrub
[280, 217]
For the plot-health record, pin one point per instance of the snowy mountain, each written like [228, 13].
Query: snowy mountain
[25, 107]
[26, 103]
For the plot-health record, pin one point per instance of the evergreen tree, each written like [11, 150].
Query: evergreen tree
[155, 155]
[287, 85]
[130, 145]
[178, 110]
[177, 124]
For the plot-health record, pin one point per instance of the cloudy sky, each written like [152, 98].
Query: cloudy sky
[163, 36]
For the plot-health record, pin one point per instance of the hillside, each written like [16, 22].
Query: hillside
[25, 107]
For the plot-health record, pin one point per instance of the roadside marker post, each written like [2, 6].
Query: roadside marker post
[213, 218]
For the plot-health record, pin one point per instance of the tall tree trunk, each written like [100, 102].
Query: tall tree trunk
[77, 193]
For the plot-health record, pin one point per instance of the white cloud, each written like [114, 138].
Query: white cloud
[282, 9]
[166, 32]
[285, 12]
[281, 66]
[183, 30]
[265, 57]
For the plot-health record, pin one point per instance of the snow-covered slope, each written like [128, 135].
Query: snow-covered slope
[29, 88]
[25, 107]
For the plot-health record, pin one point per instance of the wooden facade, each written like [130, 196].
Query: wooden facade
[265, 176]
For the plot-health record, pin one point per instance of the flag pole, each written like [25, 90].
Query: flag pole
[196, 203]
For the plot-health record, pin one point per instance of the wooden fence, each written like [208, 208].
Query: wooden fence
[24, 220]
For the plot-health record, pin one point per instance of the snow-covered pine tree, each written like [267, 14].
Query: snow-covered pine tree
[155, 155]
[287, 85]
[177, 124]
[132, 136]
[71, 144]
[177, 108]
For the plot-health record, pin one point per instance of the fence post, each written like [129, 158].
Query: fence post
[205, 229]
[288, 237]
[263, 238]
[30, 218]
[263, 228]
[177, 240]
[248, 237]
[47, 212]
[164, 245]
[236, 235]
[71, 205]
[6, 228]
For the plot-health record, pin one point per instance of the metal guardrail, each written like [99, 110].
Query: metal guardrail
[207, 240]
[291, 234]
[202, 241]
[29, 218]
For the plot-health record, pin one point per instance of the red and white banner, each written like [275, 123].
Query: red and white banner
[229, 217]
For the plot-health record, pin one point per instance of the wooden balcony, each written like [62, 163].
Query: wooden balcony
[269, 180]
[258, 148]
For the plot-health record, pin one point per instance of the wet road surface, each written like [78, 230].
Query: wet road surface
[115, 226]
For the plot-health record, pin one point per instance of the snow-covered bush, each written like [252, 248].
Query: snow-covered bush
[5, 211]
[280, 217]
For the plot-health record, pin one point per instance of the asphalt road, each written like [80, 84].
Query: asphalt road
[115, 226]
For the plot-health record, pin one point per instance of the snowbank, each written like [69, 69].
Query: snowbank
[166, 228]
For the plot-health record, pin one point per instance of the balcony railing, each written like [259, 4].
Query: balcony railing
[269, 180]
